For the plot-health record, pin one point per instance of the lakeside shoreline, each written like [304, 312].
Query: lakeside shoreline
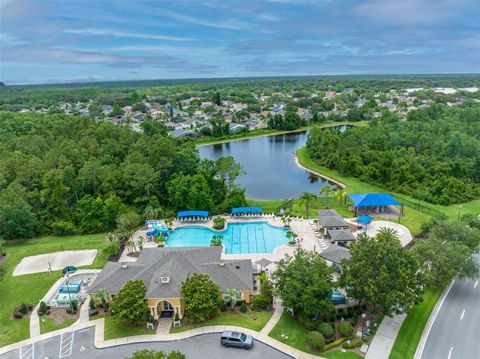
[283, 132]
[322, 176]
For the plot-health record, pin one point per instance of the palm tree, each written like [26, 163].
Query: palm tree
[326, 190]
[231, 295]
[387, 233]
[307, 198]
[291, 236]
[340, 195]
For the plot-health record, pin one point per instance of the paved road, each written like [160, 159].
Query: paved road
[455, 331]
[79, 345]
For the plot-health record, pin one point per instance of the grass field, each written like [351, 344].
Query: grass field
[47, 324]
[412, 328]
[115, 330]
[31, 288]
[288, 331]
[354, 185]
[244, 320]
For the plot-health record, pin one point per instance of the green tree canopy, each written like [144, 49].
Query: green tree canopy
[129, 304]
[155, 354]
[201, 296]
[384, 274]
[304, 282]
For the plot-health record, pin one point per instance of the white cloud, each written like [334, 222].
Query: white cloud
[228, 25]
[119, 33]
[407, 12]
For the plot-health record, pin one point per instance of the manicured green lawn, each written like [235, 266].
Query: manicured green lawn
[298, 208]
[412, 328]
[115, 330]
[47, 324]
[288, 331]
[354, 185]
[244, 320]
[31, 288]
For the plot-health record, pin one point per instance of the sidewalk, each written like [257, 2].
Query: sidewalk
[384, 339]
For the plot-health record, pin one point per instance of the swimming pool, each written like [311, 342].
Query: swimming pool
[238, 238]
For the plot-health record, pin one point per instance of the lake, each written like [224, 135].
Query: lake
[269, 163]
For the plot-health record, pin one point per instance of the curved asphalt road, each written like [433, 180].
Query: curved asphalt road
[80, 346]
[455, 330]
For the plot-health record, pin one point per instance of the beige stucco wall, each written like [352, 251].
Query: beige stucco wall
[176, 302]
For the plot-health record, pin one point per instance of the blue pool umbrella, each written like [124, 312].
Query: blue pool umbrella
[366, 219]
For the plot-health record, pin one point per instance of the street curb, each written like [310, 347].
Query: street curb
[431, 320]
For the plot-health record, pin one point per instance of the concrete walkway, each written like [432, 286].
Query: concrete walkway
[277, 313]
[384, 339]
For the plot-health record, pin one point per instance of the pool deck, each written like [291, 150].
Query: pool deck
[300, 226]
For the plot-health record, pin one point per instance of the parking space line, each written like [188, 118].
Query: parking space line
[66, 344]
[27, 352]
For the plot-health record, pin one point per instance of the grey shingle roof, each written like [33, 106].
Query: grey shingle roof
[341, 235]
[332, 222]
[335, 254]
[178, 264]
[327, 212]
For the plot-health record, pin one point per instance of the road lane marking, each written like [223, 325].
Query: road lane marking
[475, 286]
[66, 344]
[450, 352]
[431, 320]
[463, 313]
[28, 352]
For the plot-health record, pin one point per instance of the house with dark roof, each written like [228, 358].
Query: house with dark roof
[335, 254]
[341, 236]
[165, 269]
[329, 219]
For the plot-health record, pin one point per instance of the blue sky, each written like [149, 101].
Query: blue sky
[45, 41]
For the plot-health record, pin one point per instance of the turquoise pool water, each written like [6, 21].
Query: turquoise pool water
[238, 238]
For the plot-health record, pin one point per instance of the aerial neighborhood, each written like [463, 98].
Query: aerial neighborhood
[270, 179]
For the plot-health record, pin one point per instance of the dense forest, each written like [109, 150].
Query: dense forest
[434, 155]
[66, 174]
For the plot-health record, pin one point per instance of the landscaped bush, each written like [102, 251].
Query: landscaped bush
[239, 302]
[334, 344]
[219, 223]
[222, 306]
[74, 306]
[315, 340]
[260, 301]
[243, 307]
[42, 308]
[326, 329]
[353, 345]
[17, 314]
[23, 308]
[92, 304]
[345, 329]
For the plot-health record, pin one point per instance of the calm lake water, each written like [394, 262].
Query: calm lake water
[271, 171]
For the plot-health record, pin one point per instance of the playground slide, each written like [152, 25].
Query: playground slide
[157, 230]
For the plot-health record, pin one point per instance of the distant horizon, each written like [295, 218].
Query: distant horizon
[186, 79]
[77, 41]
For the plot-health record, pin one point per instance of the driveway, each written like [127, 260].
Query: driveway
[79, 345]
[454, 333]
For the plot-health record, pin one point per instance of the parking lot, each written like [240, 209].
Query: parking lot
[79, 345]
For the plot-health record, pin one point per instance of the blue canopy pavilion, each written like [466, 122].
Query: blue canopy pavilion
[375, 202]
[192, 216]
[247, 212]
